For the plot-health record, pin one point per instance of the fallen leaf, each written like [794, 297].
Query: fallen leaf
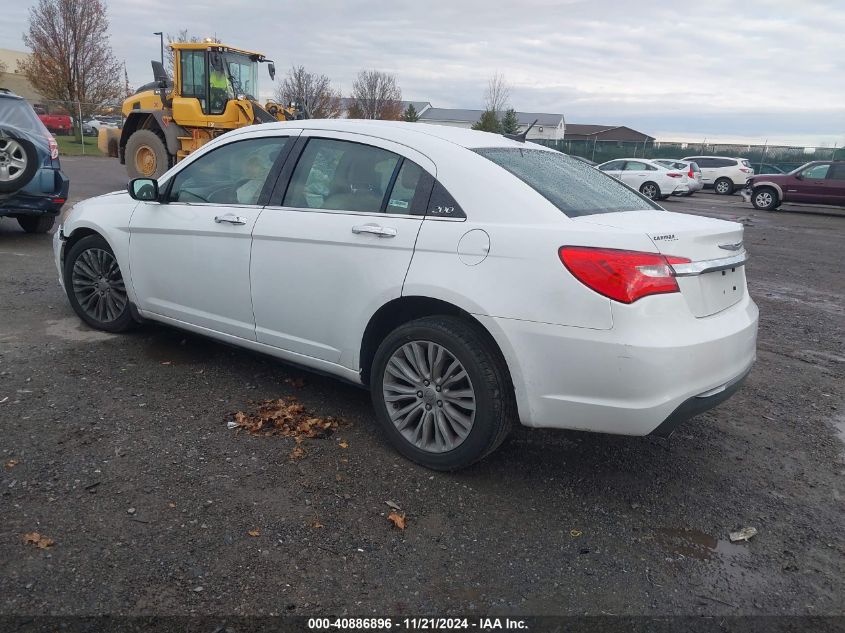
[40, 541]
[338, 477]
[393, 505]
[297, 453]
[255, 532]
[297, 383]
[11, 464]
[343, 444]
[171, 505]
[397, 519]
[285, 417]
[575, 533]
[316, 524]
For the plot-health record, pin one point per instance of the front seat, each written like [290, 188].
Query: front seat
[357, 188]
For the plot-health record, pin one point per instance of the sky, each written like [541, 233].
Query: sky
[721, 70]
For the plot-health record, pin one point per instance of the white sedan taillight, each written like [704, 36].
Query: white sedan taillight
[623, 276]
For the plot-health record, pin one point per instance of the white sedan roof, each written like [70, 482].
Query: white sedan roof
[417, 135]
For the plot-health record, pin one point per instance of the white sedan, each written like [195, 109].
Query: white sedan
[650, 178]
[468, 280]
[692, 170]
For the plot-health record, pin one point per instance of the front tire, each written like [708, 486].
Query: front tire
[724, 186]
[146, 155]
[765, 199]
[36, 223]
[95, 286]
[442, 393]
[650, 190]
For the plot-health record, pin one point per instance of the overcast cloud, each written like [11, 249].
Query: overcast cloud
[679, 70]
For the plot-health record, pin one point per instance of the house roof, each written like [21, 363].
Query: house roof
[605, 131]
[471, 116]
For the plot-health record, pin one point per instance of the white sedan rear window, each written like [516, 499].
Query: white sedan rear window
[571, 185]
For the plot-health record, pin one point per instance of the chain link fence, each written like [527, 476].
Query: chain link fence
[76, 124]
[783, 157]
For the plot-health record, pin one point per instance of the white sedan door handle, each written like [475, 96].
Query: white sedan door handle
[375, 229]
[229, 218]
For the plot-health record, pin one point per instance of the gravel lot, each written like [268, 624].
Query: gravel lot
[116, 447]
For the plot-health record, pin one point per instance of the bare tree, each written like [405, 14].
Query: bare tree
[312, 91]
[72, 61]
[498, 94]
[375, 95]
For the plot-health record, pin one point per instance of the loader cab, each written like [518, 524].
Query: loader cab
[214, 85]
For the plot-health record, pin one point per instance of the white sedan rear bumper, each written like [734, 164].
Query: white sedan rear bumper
[630, 379]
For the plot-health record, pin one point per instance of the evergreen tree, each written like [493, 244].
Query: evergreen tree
[410, 114]
[510, 122]
[488, 122]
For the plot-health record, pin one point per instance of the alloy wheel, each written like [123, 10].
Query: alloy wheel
[429, 396]
[12, 160]
[649, 191]
[98, 285]
[764, 199]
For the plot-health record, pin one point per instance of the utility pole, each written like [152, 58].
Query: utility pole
[161, 40]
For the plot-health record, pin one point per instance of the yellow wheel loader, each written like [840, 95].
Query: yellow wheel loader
[213, 91]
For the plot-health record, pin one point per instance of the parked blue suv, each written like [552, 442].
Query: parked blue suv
[32, 185]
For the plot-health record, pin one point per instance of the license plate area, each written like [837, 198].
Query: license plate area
[709, 293]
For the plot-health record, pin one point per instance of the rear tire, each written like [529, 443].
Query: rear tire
[455, 392]
[95, 287]
[765, 199]
[18, 162]
[146, 155]
[36, 223]
[724, 186]
[650, 190]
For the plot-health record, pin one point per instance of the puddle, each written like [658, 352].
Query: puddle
[701, 546]
[177, 348]
[72, 329]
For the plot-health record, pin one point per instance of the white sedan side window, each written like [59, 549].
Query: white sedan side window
[341, 175]
[231, 174]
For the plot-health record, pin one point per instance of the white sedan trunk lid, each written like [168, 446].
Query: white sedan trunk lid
[710, 244]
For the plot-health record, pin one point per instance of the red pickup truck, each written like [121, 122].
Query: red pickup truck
[57, 123]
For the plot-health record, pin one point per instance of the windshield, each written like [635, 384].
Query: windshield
[243, 74]
[571, 185]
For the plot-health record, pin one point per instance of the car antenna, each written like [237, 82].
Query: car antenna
[522, 135]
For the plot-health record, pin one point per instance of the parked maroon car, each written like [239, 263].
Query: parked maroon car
[818, 182]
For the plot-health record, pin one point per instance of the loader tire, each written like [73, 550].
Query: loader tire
[146, 155]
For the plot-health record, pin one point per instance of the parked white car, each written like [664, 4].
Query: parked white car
[651, 179]
[91, 127]
[723, 173]
[468, 280]
[691, 169]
